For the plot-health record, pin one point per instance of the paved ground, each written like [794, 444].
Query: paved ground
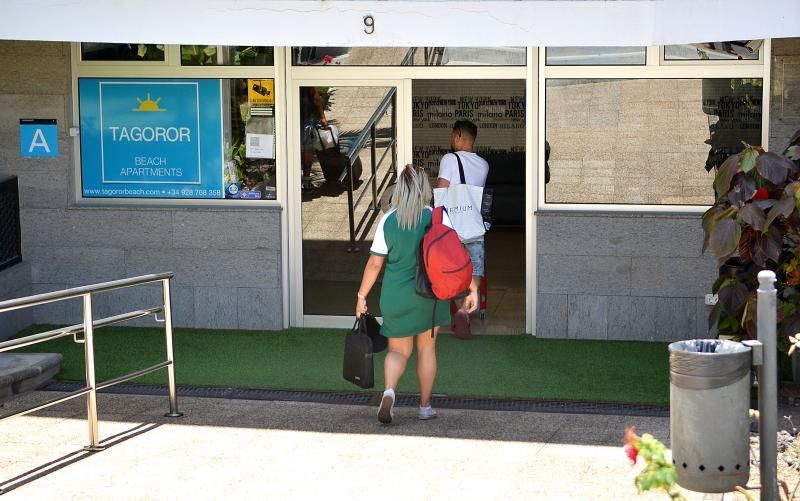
[285, 450]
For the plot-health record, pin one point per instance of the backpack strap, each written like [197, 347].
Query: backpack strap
[438, 215]
[460, 168]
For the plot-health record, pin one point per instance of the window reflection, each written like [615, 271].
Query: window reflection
[640, 141]
[91, 51]
[226, 55]
[408, 56]
[595, 56]
[732, 50]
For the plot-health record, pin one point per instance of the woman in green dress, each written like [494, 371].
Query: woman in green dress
[406, 315]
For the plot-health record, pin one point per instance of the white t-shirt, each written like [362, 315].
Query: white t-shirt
[379, 244]
[475, 168]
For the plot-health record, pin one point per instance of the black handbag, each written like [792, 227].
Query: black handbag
[358, 367]
[379, 341]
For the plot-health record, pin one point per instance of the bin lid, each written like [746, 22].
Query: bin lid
[707, 363]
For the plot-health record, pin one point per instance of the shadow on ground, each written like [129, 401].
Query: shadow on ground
[514, 426]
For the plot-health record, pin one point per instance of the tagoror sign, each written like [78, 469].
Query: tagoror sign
[151, 139]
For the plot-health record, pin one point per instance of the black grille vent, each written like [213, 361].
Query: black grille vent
[10, 229]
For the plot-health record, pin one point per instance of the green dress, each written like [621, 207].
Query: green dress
[405, 313]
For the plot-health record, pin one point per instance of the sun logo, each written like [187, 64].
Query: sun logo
[148, 104]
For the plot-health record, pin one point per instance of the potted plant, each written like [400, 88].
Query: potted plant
[755, 222]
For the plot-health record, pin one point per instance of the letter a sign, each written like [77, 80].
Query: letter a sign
[38, 137]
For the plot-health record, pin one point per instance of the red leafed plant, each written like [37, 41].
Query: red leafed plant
[755, 222]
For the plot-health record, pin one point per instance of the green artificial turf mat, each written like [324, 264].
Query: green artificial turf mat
[311, 359]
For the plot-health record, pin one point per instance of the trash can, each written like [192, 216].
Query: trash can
[709, 395]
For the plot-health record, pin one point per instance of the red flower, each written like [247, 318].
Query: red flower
[631, 452]
[761, 194]
[327, 59]
[631, 440]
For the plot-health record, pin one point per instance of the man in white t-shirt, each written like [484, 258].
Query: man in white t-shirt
[476, 169]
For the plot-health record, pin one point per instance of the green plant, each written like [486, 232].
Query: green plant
[150, 52]
[238, 153]
[755, 221]
[658, 473]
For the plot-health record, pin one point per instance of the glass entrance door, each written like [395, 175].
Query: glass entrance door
[348, 143]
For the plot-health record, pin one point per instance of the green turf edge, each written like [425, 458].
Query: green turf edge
[631, 372]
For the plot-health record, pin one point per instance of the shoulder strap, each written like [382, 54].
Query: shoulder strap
[460, 168]
[438, 217]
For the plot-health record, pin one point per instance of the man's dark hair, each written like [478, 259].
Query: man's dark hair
[466, 127]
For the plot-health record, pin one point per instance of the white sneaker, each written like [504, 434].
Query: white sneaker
[426, 413]
[386, 409]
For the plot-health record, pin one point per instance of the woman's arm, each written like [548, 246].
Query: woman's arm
[371, 271]
[320, 105]
[471, 301]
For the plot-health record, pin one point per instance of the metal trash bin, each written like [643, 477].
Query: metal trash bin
[709, 395]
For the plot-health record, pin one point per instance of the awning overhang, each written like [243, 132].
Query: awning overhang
[400, 22]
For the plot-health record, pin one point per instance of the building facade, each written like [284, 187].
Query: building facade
[201, 160]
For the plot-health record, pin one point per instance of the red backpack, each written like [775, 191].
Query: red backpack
[444, 270]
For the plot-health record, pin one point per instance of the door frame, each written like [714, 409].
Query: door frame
[402, 79]
[297, 317]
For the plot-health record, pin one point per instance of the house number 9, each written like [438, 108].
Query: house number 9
[369, 25]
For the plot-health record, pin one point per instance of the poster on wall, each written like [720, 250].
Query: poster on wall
[497, 107]
[151, 138]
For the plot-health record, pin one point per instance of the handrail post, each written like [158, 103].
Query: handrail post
[768, 385]
[173, 394]
[394, 133]
[91, 383]
[373, 159]
[351, 210]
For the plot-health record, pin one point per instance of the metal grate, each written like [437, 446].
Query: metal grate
[371, 398]
[10, 229]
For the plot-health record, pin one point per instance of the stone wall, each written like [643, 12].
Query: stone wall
[632, 277]
[15, 282]
[226, 261]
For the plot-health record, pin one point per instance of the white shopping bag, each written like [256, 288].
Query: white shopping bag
[327, 137]
[463, 204]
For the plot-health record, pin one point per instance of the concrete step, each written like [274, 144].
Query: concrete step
[24, 372]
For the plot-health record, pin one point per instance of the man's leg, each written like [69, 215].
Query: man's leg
[461, 317]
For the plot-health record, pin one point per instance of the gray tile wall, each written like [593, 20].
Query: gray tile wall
[15, 282]
[626, 277]
[227, 262]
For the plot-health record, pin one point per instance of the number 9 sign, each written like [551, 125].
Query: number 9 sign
[369, 24]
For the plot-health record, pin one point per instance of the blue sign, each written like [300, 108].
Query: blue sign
[38, 137]
[151, 138]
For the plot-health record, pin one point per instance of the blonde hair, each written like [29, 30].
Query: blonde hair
[412, 194]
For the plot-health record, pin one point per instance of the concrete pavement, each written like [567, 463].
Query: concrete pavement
[288, 450]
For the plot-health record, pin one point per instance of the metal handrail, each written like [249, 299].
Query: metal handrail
[361, 139]
[87, 328]
[73, 330]
[49, 297]
[369, 132]
[408, 60]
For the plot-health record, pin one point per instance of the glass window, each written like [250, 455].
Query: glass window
[177, 138]
[595, 56]
[226, 55]
[645, 141]
[409, 56]
[348, 144]
[733, 50]
[122, 52]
